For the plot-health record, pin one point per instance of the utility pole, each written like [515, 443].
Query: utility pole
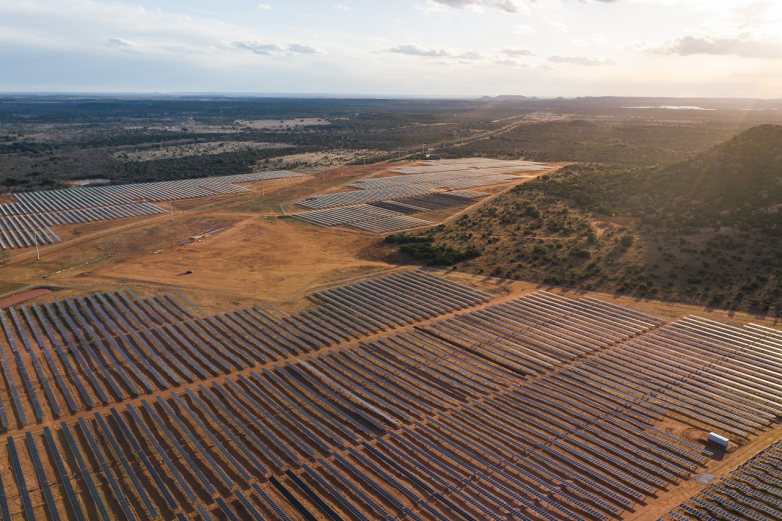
[263, 188]
[171, 209]
[37, 253]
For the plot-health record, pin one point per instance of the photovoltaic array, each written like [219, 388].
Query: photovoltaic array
[389, 215]
[401, 194]
[28, 221]
[403, 396]
[752, 492]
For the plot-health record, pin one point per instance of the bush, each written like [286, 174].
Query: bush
[584, 254]
[533, 211]
[401, 238]
[438, 255]
[627, 240]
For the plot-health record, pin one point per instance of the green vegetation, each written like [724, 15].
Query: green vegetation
[438, 255]
[684, 232]
[735, 184]
[408, 239]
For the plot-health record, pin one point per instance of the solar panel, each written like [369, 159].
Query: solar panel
[314, 496]
[16, 466]
[36, 365]
[138, 452]
[173, 441]
[85, 473]
[63, 475]
[306, 514]
[108, 474]
[335, 494]
[268, 434]
[237, 443]
[248, 505]
[270, 502]
[41, 475]
[355, 490]
[217, 444]
[216, 467]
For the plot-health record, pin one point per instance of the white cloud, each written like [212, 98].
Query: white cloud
[558, 26]
[752, 14]
[524, 29]
[413, 49]
[590, 61]
[274, 49]
[509, 6]
[343, 7]
[743, 45]
[304, 49]
[265, 7]
[121, 42]
[510, 62]
[515, 51]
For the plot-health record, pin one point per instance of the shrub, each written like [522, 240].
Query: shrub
[438, 255]
[401, 238]
[627, 240]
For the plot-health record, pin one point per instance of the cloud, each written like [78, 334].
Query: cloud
[121, 42]
[304, 49]
[743, 45]
[413, 49]
[558, 26]
[509, 6]
[274, 49]
[509, 62]
[513, 51]
[524, 29]
[752, 14]
[590, 61]
[264, 7]
[343, 7]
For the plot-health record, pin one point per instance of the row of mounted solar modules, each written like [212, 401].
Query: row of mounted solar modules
[452, 165]
[450, 389]
[24, 231]
[110, 346]
[723, 376]
[386, 216]
[396, 191]
[323, 415]
[436, 180]
[27, 222]
[752, 492]
[58, 200]
[364, 217]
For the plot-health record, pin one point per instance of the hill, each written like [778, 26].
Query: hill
[737, 183]
[703, 231]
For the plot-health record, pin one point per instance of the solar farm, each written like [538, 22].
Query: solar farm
[751, 491]
[409, 395]
[28, 221]
[419, 187]
[387, 215]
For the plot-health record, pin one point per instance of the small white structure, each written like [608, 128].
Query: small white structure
[719, 440]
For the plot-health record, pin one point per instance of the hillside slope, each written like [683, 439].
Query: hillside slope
[737, 183]
[704, 231]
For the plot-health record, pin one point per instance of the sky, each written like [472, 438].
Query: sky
[684, 48]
